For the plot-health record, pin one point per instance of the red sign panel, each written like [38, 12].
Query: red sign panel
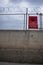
[33, 22]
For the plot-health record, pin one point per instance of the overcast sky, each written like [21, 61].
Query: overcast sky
[29, 2]
[16, 6]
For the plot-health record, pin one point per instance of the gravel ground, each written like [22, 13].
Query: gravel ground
[7, 63]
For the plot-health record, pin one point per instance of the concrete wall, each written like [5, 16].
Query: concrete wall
[21, 46]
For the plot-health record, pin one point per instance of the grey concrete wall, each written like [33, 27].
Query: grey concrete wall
[21, 46]
[21, 39]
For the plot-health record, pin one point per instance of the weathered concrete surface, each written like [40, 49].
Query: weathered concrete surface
[21, 39]
[21, 46]
[21, 55]
[6, 63]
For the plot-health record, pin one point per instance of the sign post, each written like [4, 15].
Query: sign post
[40, 21]
[26, 17]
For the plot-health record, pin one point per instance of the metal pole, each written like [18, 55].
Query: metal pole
[24, 22]
[40, 21]
[26, 17]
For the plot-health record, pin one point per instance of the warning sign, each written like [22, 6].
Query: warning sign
[33, 22]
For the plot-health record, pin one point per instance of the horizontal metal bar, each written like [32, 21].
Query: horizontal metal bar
[22, 14]
[14, 14]
[35, 14]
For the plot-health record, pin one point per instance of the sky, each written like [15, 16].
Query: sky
[17, 6]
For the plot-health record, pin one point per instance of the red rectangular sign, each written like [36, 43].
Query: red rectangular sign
[33, 22]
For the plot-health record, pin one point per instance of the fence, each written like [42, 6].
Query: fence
[18, 21]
